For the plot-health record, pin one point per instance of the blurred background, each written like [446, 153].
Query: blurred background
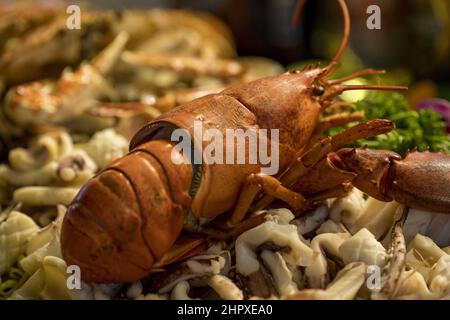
[414, 36]
[258, 39]
[413, 46]
[413, 43]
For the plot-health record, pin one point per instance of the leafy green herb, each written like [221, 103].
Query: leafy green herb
[424, 129]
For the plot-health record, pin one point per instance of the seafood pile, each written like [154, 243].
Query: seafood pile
[321, 255]
[84, 115]
[118, 70]
[72, 100]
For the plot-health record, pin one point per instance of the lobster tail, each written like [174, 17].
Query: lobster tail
[129, 215]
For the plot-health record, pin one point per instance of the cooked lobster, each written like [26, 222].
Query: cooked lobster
[125, 222]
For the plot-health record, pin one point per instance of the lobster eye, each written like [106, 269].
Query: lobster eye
[318, 91]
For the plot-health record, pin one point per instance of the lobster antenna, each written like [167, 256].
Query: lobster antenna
[298, 12]
[356, 75]
[342, 88]
[346, 36]
[344, 42]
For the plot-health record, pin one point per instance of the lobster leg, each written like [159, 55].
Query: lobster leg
[330, 122]
[338, 120]
[183, 248]
[340, 190]
[323, 147]
[319, 150]
[252, 185]
[241, 227]
[336, 107]
[249, 223]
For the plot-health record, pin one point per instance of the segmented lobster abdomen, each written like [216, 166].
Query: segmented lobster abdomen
[130, 214]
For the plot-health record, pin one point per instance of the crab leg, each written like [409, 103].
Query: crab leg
[105, 60]
[74, 93]
[182, 96]
[187, 65]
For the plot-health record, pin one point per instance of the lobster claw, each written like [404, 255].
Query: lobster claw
[420, 180]
[371, 167]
